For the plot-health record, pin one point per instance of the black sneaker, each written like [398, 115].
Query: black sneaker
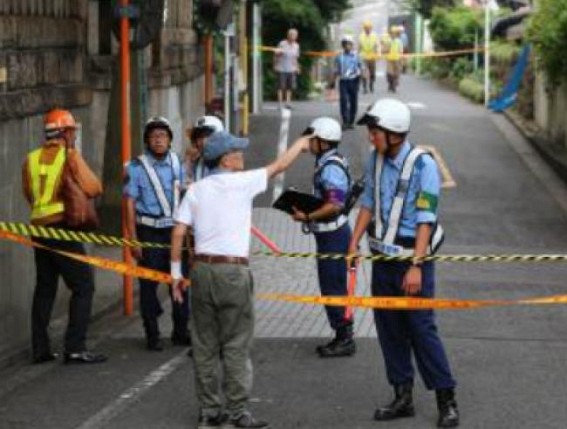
[208, 421]
[154, 344]
[338, 348]
[319, 349]
[85, 357]
[245, 420]
[45, 357]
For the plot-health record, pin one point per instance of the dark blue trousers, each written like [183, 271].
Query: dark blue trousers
[403, 332]
[348, 89]
[333, 273]
[158, 259]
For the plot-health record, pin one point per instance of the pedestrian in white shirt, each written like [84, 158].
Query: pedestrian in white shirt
[219, 209]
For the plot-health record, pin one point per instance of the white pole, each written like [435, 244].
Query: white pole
[486, 52]
[256, 57]
[476, 45]
[227, 81]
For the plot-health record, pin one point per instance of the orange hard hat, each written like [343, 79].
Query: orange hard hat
[57, 119]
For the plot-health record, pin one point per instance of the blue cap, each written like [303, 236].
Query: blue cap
[220, 143]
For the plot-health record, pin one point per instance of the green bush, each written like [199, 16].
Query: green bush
[460, 68]
[503, 52]
[471, 88]
[547, 30]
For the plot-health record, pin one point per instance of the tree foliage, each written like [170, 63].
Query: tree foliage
[425, 7]
[547, 31]
[310, 18]
[454, 28]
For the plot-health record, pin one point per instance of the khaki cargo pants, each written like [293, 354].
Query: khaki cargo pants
[222, 322]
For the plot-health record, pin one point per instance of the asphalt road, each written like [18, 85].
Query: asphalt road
[509, 361]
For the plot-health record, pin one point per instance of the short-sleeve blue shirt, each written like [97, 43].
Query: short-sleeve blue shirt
[425, 178]
[348, 65]
[139, 187]
[334, 180]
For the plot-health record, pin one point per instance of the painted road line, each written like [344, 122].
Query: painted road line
[282, 146]
[448, 180]
[131, 395]
[416, 105]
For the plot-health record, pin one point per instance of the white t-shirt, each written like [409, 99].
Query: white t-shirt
[219, 208]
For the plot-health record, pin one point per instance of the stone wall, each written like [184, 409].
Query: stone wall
[52, 54]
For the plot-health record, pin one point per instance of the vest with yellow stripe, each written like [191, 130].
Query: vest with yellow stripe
[44, 203]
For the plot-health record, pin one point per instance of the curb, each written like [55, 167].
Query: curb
[544, 147]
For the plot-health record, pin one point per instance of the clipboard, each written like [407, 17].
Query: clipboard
[290, 198]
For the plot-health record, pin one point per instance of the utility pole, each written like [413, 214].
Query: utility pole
[128, 289]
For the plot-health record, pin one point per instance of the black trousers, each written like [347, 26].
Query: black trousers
[348, 90]
[158, 259]
[78, 277]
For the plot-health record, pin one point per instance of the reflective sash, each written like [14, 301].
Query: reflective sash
[166, 207]
[43, 204]
[383, 242]
[199, 170]
[334, 224]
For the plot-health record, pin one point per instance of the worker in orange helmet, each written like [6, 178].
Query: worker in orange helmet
[42, 178]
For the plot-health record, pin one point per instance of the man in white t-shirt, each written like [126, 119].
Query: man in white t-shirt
[219, 209]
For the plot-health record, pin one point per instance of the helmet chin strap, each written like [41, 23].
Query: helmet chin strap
[155, 155]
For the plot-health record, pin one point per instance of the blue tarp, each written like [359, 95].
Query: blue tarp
[510, 92]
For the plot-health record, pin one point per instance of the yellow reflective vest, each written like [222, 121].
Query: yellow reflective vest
[368, 44]
[43, 199]
[396, 50]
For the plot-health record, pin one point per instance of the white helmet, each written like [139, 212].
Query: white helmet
[347, 38]
[209, 123]
[326, 129]
[389, 114]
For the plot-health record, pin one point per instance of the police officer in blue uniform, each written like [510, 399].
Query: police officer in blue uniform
[198, 134]
[348, 68]
[399, 210]
[152, 193]
[331, 183]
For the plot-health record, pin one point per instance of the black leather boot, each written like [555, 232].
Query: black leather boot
[448, 411]
[401, 406]
[342, 345]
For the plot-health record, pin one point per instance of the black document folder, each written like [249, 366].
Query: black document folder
[290, 198]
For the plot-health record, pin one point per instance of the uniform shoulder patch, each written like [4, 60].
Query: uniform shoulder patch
[427, 202]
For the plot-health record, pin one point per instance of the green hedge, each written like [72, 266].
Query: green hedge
[547, 30]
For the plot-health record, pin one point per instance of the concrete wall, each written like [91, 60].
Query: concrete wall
[550, 110]
[49, 56]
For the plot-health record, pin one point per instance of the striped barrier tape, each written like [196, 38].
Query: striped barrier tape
[107, 240]
[96, 261]
[384, 57]
[408, 303]
[390, 303]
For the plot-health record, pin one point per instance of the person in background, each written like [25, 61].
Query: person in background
[347, 69]
[405, 44]
[287, 66]
[368, 46]
[394, 59]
